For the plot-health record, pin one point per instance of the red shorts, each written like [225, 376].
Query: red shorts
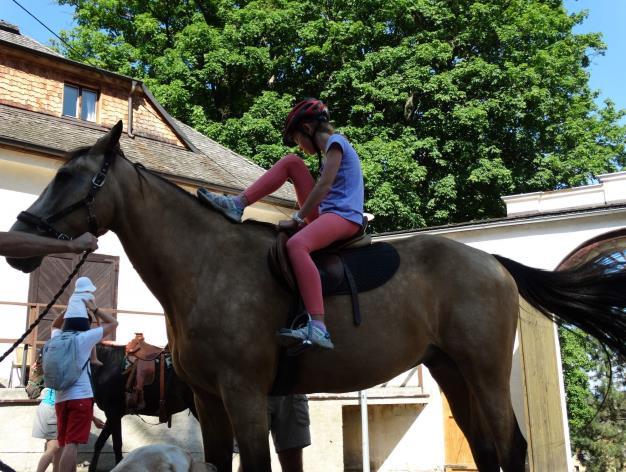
[74, 421]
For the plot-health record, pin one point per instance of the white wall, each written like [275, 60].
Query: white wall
[22, 178]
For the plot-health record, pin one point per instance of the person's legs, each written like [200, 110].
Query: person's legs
[52, 447]
[69, 455]
[289, 425]
[76, 431]
[291, 460]
[322, 232]
[290, 167]
[93, 359]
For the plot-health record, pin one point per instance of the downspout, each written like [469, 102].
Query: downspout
[365, 434]
[129, 127]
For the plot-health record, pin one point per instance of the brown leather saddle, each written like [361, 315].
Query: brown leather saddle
[143, 359]
[346, 267]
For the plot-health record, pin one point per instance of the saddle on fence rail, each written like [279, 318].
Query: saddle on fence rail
[346, 267]
[143, 359]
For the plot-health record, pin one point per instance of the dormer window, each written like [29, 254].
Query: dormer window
[79, 102]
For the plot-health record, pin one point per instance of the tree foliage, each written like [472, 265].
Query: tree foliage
[596, 410]
[450, 103]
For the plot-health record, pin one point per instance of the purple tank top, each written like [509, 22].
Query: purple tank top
[345, 197]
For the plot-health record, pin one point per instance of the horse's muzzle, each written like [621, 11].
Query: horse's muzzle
[26, 265]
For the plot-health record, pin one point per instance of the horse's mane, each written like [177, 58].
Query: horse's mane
[141, 169]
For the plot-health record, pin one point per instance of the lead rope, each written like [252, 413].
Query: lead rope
[48, 307]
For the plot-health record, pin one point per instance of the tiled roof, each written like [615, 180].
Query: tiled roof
[23, 41]
[214, 165]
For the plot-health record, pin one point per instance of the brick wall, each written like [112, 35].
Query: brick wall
[28, 85]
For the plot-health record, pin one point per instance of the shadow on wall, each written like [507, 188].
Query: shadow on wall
[388, 424]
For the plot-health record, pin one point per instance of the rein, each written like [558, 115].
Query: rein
[44, 224]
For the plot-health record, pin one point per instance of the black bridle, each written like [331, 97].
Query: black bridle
[44, 224]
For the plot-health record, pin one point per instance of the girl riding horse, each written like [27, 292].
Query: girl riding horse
[331, 209]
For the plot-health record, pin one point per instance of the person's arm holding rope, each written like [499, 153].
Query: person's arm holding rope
[18, 244]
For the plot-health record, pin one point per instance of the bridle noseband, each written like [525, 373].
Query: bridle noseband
[44, 224]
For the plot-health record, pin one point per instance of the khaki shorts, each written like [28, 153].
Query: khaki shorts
[288, 417]
[45, 424]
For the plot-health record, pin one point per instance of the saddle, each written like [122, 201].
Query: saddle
[143, 359]
[346, 267]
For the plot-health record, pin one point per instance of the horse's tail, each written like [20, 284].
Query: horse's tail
[591, 296]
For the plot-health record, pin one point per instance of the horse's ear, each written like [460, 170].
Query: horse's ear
[111, 139]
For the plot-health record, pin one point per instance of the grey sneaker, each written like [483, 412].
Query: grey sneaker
[221, 203]
[286, 336]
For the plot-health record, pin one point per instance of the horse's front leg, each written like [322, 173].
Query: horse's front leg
[116, 431]
[248, 414]
[97, 448]
[217, 434]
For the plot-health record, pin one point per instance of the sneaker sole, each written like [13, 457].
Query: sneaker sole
[287, 341]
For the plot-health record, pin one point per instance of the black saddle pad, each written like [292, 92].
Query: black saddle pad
[371, 266]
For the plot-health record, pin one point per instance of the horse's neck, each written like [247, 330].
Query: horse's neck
[163, 232]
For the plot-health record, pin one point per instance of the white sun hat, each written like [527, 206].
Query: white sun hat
[84, 284]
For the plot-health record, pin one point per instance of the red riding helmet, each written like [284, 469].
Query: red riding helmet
[309, 109]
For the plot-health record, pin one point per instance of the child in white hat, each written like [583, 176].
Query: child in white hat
[77, 315]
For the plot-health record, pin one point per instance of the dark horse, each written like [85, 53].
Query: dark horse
[109, 384]
[110, 387]
[449, 306]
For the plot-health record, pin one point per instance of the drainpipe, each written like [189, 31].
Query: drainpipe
[365, 436]
[129, 127]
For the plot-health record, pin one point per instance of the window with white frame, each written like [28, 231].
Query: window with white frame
[79, 102]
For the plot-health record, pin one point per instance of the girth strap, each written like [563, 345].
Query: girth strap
[354, 291]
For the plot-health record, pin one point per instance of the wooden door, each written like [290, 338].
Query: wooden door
[46, 281]
[457, 450]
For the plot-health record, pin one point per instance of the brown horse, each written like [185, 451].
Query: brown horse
[449, 306]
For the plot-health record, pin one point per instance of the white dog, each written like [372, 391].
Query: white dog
[161, 458]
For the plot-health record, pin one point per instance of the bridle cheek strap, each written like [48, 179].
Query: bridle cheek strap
[44, 224]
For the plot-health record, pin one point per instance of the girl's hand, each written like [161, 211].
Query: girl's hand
[288, 225]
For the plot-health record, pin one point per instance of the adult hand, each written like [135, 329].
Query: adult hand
[98, 423]
[288, 225]
[85, 242]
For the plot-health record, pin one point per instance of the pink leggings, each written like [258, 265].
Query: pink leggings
[321, 230]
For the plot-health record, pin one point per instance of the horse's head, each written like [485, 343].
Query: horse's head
[77, 200]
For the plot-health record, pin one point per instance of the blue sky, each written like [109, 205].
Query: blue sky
[605, 16]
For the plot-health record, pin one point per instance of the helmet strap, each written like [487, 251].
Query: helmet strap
[314, 142]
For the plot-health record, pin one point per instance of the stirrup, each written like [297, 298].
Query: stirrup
[306, 343]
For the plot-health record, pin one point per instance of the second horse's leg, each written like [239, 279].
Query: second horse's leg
[97, 448]
[116, 431]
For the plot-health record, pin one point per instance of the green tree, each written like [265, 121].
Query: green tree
[596, 410]
[451, 103]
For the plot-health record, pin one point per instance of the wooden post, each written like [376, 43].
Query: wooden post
[547, 432]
